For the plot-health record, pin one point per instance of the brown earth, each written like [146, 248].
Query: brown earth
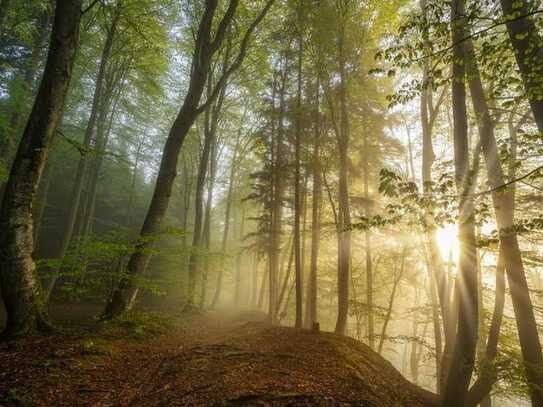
[211, 360]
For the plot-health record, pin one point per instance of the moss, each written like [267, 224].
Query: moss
[137, 325]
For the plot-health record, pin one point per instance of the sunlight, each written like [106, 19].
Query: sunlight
[447, 240]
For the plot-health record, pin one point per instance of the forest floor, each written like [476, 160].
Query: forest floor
[205, 360]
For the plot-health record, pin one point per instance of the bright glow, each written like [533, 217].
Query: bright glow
[447, 240]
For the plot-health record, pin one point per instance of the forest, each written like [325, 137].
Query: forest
[271, 202]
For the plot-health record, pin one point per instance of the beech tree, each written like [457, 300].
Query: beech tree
[206, 45]
[21, 289]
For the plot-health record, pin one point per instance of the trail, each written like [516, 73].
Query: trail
[208, 360]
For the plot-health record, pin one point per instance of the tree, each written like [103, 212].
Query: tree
[509, 248]
[463, 359]
[206, 45]
[21, 289]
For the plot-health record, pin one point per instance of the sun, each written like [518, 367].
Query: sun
[447, 240]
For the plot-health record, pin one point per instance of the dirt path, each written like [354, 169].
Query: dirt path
[212, 360]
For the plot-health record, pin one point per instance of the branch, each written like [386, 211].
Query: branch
[513, 181]
[224, 24]
[89, 7]
[239, 59]
[476, 34]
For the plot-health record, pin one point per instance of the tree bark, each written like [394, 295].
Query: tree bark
[20, 286]
[211, 121]
[278, 172]
[488, 375]
[297, 201]
[395, 283]
[315, 216]
[367, 248]
[463, 360]
[226, 229]
[237, 286]
[503, 202]
[207, 221]
[344, 214]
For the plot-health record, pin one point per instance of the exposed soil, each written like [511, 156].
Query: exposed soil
[210, 360]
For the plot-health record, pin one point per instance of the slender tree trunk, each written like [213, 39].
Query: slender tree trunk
[504, 212]
[254, 284]
[367, 248]
[108, 109]
[315, 216]
[237, 287]
[395, 284]
[132, 191]
[463, 360]
[278, 173]
[438, 339]
[413, 359]
[233, 167]
[344, 214]
[480, 390]
[436, 269]
[198, 214]
[263, 288]
[211, 122]
[286, 279]
[526, 41]
[20, 286]
[207, 221]
[297, 201]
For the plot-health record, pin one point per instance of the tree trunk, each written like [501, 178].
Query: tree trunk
[344, 214]
[367, 248]
[463, 360]
[526, 41]
[286, 278]
[436, 269]
[488, 375]
[278, 173]
[207, 221]
[20, 286]
[198, 211]
[315, 217]
[237, 289]
[504, 212]
[226, 222]
[297, 201]
[395, 284]
[211, 121]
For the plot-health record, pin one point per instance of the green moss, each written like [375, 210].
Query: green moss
[137, 325]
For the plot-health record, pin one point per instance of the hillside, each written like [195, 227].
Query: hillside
[210, 360]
